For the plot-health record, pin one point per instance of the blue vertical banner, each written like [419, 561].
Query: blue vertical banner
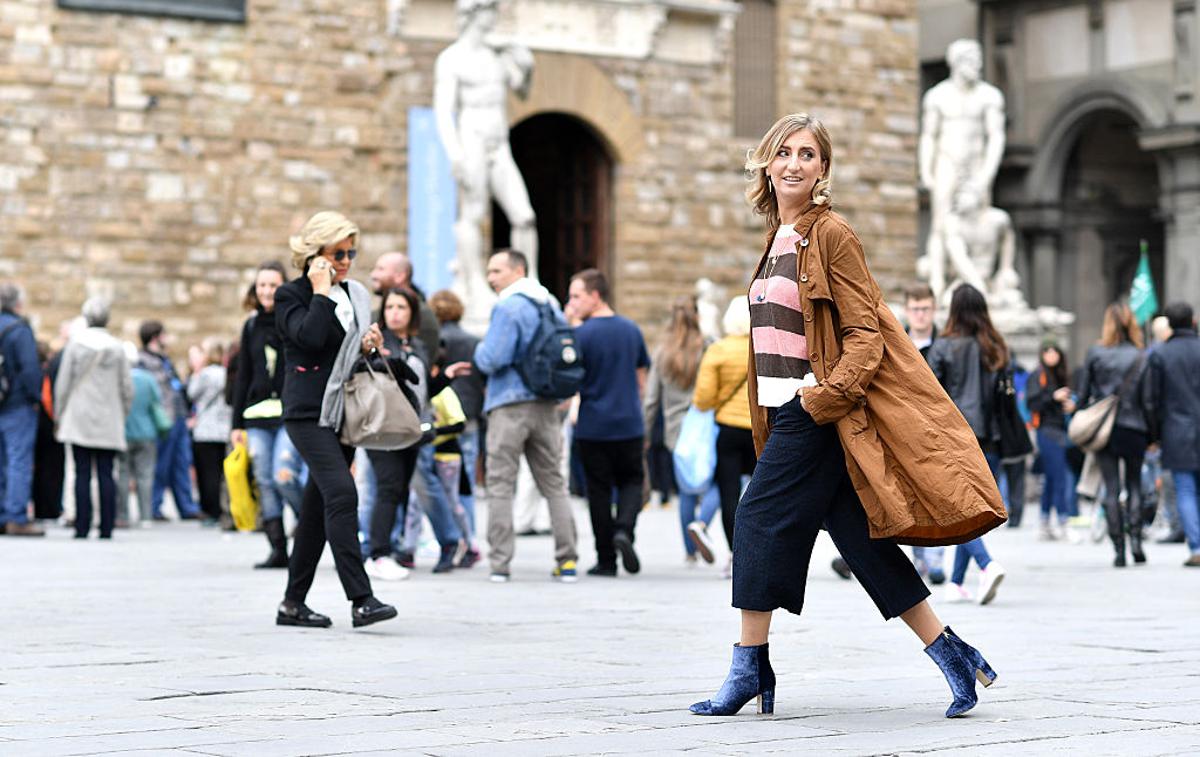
[432, 203]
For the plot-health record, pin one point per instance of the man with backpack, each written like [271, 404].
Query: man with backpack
[610, 430]
[20, 391]
[531, 364]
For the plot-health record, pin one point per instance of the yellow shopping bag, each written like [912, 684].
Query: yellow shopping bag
[243, 500]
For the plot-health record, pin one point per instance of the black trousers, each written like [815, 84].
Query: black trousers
[609, 465]
[800, 485]
[329, 510]
[103, 460]
[209, 459]
[393, 474]
[1128, 446]
[735, 458]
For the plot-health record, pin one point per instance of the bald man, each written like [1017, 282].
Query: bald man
[393, 270]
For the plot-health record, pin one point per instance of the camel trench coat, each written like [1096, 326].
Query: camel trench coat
[911, 456]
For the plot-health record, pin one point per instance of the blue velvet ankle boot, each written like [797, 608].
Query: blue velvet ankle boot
[983, 672]
[959, 672]
[750, 676]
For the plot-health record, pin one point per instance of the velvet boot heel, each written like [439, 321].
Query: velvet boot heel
[983, 672]
[959, 672]
[750, 676]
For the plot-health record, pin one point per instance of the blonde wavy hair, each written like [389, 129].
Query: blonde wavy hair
[323, 229]
[758, 189]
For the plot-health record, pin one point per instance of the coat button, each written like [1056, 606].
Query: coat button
[804, 277]
[804, 242]
[808, 316]
[814, 358]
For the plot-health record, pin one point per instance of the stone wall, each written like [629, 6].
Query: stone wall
[159, 161]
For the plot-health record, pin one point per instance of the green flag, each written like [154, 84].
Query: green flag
[1142, 300]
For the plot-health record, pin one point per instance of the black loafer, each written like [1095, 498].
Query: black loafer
[629, 558]
[608, 571]
[371, 611]
[298, 614]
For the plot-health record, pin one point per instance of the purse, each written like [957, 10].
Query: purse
[377, 414]
[162, 421]
[1091, 428]
[1014, 436]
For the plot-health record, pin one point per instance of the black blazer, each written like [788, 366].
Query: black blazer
[256, 378]
[312, 336]
[1175, 378]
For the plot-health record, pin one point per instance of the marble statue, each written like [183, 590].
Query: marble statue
[709, 298]
[472, 78]
[962, 141]
[980, 244]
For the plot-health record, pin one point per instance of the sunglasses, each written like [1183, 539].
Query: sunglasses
[340, 255]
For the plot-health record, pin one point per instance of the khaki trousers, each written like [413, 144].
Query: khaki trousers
[532, 428]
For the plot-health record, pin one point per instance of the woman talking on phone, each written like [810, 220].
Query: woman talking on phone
[325, 322]
[853, 432]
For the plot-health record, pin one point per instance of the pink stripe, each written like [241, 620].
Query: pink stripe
[780, 290]
[785, 244]
[769, 340]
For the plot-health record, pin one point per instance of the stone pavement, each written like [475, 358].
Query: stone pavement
[163, 640]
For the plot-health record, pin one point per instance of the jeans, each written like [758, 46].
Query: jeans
[173, 469]
[609, 466]
[103, 459]
[393, 474]
[709, 505]
[327, 512]
[18, 431]
[933, 557]
[974, 548]
[1054, 466]
[278, 470]
[432, 499]
[1189, 515]
[468, 442]
[137, 468]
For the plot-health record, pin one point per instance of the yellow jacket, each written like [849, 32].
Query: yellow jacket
[721, 381]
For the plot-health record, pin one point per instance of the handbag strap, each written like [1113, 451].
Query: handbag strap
[729, 397]
[1127, 382]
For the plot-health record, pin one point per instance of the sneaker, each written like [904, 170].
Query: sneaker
[469, 558]
[566, 572]
[23, 529]
[386, 569]
[989, 580]
[689, 561]
[1193, 561]
[727, 571]
[629, 559]
[406, 559]
[937, 576]
[608, 571]
[698, 532]
[500, 578]
[957, 593]
[1047, 532]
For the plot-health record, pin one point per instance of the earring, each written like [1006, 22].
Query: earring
[770, 186]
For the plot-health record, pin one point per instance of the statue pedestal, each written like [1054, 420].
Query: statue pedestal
[1025, 328]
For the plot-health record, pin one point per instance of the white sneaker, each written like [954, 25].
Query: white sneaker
[957, 593]
[698, 532]
[989, 581]
[386, 569]
[1047, 532]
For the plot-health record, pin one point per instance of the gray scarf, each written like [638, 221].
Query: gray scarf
[333, 404]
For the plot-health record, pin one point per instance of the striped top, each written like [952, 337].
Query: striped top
[777, 325]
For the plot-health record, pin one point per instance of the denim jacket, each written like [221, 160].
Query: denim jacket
[514, 320]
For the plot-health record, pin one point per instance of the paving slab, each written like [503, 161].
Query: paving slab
[163, 641]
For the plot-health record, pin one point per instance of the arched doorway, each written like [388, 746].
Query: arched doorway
[568, 172]
[1110, 203]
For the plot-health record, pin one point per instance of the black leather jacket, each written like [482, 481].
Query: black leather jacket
[1103, 371]
[958, 364]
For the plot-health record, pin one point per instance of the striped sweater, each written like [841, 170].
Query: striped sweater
[780, 347]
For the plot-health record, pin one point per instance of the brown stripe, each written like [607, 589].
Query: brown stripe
[778, 366]
[763, 314]
[784, 266]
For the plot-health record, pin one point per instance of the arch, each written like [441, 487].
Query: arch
[575, 86]
[1044, 182]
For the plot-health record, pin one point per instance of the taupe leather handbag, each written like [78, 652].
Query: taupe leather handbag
[1091, 428]
[377, 414]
